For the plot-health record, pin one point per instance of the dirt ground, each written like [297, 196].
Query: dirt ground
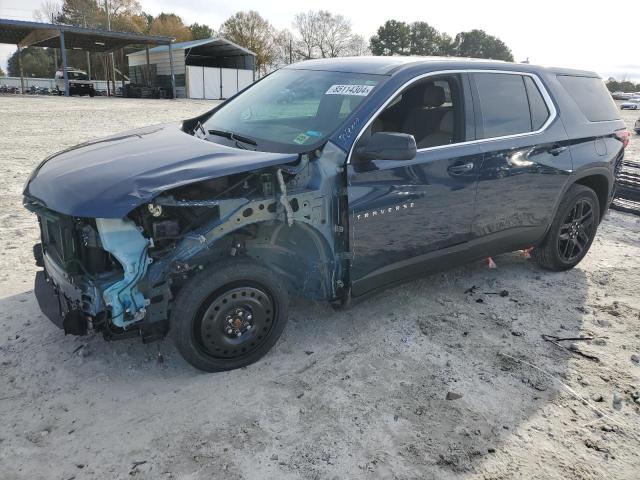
[435, 379]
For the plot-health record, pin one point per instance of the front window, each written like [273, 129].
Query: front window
[431, 110]
[292, 110]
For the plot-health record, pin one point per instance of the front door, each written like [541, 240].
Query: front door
[401, 212]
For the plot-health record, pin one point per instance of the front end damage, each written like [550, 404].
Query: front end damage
[118, 276]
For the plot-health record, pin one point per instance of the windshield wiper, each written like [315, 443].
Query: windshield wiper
[233, 136]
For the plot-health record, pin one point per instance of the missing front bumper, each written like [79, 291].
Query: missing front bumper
[56, 307]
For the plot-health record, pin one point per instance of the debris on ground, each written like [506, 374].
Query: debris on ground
[572, 348]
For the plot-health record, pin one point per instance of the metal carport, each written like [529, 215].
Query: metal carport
[197, 58]
[25, 34]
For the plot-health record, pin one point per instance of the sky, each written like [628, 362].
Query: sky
[561, 33]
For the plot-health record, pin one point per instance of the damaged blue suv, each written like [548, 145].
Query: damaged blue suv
[327, 179]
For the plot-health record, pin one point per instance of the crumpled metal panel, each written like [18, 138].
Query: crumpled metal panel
[108, 178]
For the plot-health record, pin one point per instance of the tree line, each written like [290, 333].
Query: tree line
[622, 86]
[313, 34]
[420, 38]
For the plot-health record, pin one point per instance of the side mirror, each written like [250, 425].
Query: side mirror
[388, 146]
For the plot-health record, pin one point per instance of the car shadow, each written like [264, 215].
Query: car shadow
[428, 378]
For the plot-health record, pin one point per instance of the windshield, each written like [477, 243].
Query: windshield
[292, 111]
[73, 75]
[77, 76]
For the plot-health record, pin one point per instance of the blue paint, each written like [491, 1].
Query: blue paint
[124, 241]
[110, 177]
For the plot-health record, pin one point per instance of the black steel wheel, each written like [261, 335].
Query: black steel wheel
[234, 321]
[229, 316]
[572, 231]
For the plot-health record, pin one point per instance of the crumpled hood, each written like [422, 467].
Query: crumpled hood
[108, 178]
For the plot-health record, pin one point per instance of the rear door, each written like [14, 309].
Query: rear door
[401, 212]
[526, 158]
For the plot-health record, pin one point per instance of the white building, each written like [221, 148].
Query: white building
[213, 68]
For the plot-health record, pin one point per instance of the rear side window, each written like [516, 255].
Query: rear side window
[539, 110]
[504, 104]
[591, 96]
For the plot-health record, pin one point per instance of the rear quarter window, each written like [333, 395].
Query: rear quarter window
[591, 96]
[539, 110]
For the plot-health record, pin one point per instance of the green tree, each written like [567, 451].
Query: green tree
[201, 31]
[82, 13]
[479, 44]
[392, 38]
[1, 72]
[170, 25]
[124, 15]
[426, 40]
[36, 62]
[145, 20]
[251, 31]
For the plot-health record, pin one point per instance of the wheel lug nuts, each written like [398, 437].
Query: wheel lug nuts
[238, 334]
[248, 327]
[229, 331]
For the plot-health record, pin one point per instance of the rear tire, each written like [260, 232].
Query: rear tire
[229, 315]
[572, 231]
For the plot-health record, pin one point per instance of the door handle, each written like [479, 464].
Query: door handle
[556, 150]
[461, 168]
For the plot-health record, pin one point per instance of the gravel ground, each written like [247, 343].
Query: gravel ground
[422, 381]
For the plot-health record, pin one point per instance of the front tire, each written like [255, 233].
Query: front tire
[229, 316]
[572, 231]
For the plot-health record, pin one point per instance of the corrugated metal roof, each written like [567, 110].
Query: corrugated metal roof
[219, 42]
[47, 35]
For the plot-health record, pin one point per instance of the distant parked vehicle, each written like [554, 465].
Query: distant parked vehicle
[636, 127]
[79, 83]
[618, 96]
[631, 104]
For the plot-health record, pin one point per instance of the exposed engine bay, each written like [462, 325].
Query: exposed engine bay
[118, 276]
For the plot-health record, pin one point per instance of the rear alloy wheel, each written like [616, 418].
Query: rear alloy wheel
[577, 231]
[229, 316]
[572, 230]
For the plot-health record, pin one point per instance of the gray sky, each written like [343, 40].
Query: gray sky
[566, 33]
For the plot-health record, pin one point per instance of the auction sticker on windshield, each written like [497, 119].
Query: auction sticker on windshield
[359, 90]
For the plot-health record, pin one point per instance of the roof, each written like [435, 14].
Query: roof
[47, 35]
[389, 65]
[220, 45]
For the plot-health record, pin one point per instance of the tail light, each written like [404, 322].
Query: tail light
[623, 136]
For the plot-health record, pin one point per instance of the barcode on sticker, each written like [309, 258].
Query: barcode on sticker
[360, 90]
